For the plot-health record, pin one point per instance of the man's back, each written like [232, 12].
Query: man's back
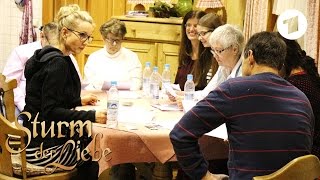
[270, 124]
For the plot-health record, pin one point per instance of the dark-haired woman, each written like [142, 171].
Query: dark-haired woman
[190, 51]
[300, 70]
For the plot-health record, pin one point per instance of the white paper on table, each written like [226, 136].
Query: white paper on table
[167, 107]
[176, 87]
[129, 95]
[169, 89]
[219, 132]
[135, 115]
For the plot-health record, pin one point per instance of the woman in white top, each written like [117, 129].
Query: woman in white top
[113, 62]
[227, 43]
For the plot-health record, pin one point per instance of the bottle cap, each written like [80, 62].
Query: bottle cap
[189, 77]
[166, 66]
[148, 64]
[113, 83]
[155, 69]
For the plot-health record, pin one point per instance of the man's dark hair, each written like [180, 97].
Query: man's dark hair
[267, 48]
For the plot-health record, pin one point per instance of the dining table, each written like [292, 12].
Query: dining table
[142, 134]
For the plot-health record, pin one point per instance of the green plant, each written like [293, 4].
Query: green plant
[164, 10]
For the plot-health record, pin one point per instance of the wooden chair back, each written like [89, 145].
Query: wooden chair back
[7, 97]
[9, 128]
[302, 168]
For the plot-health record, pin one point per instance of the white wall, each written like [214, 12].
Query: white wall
[10, 26]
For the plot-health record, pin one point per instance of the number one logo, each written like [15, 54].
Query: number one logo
[292, 24]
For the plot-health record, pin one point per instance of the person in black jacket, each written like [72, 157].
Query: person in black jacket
[53, 91]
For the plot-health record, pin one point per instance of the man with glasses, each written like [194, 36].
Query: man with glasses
[14, 68]
[113, 62]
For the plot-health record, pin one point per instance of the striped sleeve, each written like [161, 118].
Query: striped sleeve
[207, 115]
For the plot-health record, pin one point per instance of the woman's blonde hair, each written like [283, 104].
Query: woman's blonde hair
[69, 15]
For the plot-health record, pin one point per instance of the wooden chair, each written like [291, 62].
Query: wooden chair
[7, 107]
[15, 166]
[302, 168]
[7, 95]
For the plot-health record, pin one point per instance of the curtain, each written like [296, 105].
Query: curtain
[28, 33]
[279, 6]
[256, 17]
[312, 36]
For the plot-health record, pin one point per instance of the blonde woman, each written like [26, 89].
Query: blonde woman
[53, 90]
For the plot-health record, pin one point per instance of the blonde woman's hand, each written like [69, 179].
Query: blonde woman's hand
[101, 116]
[89, 99]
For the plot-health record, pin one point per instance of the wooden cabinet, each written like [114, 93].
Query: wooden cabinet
[168, 54]
[154, 39]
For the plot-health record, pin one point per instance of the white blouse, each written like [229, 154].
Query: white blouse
[123, 67]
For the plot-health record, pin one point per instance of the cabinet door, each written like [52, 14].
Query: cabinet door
[101, 11]
[168, 54]
[50, 8]
[83, 56]
[146, 51]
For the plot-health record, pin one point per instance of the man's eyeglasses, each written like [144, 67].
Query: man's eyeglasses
[82, 36]
[203, 33]
[114, 41]
[218, 52]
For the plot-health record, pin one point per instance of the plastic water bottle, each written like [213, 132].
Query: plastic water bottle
[113, 106]
[155, 86]
[166, 77]
[146, 79]
[189, 88]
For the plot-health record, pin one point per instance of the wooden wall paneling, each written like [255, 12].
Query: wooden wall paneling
[99, 11]
[83, 4]
[146, 51]
[118, 8]
[51, 7]
[47, 11]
